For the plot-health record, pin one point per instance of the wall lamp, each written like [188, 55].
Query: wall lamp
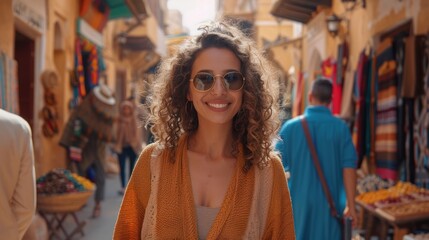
[333, 23]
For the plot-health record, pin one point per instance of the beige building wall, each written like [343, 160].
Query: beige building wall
[54, 50]
[7, 29]
[59, 57]
[277, 31]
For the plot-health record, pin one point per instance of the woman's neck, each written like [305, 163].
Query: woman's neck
[215, 141]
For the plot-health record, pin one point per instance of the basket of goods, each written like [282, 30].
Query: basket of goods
[62, 191]
[400, 193]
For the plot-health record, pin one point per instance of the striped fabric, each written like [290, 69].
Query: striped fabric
[386, 126]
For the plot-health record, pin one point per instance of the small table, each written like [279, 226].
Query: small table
[55, 221]
[401, 226]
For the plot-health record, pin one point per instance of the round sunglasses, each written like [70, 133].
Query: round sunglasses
[204, 81]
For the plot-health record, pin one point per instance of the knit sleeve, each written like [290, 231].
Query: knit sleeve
[131, 214]
[280, 217]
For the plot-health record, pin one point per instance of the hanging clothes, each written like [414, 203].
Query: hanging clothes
[329, 71]
[421, 129]
[386, 126]
[370, 112]
[79, 68]
[399, 47]
[360, 126]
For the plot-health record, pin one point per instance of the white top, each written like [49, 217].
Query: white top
[17, 176]
[205, 219]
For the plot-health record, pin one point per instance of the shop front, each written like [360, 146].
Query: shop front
[376, 54]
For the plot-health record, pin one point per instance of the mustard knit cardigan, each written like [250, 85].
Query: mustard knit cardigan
[158, 202]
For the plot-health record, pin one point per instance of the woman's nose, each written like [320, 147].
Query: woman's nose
[219, 87]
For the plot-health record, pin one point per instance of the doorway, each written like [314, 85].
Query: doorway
[121, 86]
[24, 56]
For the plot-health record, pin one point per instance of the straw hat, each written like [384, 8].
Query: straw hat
[49, 79]
[104, 94]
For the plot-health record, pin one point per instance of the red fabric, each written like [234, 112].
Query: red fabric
[329, 71]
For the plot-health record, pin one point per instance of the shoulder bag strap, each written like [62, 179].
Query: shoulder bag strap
[318, 168]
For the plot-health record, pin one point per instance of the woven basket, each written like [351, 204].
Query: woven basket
[67, 202]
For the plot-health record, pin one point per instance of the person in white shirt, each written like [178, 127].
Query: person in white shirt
[17, 176]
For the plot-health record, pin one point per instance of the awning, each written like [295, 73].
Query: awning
[126, 9]
[137, 43]
[298, 10]
[143, 61]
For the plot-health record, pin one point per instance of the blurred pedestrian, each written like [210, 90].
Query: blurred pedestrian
[17, 176]
[129, 142]
[337, 158]
[87, 132]
[211, 174]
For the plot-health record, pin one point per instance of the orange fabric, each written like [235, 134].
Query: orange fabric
[175, 213]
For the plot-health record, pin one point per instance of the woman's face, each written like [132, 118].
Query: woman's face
[218, 104]
[126, 110]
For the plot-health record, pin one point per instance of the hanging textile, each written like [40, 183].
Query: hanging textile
[95, 13]
[421, 128]
[371, 112]
[329, 71]
[360, 108]
[399, 47]
[386, 125]
[90, 64]
[79, 68]
[87, 68]
[410, 171]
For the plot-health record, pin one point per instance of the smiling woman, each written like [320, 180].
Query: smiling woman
[211, 173]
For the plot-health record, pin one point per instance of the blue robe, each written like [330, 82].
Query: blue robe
[336, 151]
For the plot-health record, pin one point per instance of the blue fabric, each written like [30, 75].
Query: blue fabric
[336, 151]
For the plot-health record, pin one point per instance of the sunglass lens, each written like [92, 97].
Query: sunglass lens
[203, 81]
[233, 80]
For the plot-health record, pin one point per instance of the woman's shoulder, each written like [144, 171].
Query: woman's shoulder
[148, 152]
[274, 165]
[274, 160]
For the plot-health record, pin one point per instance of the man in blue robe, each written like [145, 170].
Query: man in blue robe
[338, 159]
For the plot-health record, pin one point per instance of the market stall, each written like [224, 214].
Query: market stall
[404, 207]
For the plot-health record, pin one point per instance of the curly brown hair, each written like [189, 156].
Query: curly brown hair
[254, 125]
